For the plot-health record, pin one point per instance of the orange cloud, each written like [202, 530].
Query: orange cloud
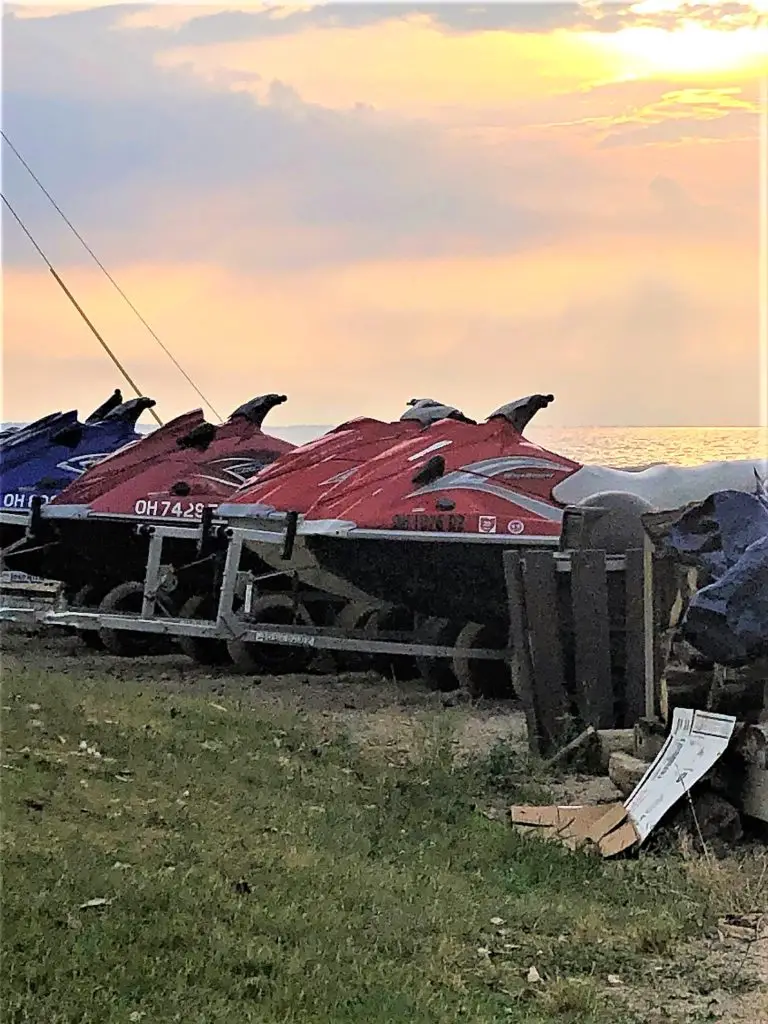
[520, 215]
[364, 337]
[406, 64]
[409, 64]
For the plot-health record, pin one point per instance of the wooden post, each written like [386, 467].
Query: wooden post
[649, 630]
[518, 636]
[634, 637]
[592, 639]
[550, 696]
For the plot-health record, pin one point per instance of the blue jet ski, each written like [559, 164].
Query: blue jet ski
[17, 434]
[43, 457]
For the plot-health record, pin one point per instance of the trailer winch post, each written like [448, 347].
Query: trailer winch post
[225, 618]
[152, 575]
[204, 543]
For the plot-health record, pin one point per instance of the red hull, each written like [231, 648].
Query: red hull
[485, 479]
[297, 479]
[178, 470]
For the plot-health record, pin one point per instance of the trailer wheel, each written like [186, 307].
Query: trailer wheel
[126, 598]
[392, 617]
[88, 596]
[478, 677]
[201, 649]
[355, 615]
[437, 673]
[273, 659]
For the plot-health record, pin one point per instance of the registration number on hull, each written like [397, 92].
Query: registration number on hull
[176, 509]
[23, 501]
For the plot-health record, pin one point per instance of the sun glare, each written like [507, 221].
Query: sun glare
[688, 50]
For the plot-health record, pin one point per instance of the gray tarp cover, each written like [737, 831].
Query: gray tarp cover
[727, 536]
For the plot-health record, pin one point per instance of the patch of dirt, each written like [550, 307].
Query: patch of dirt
[751, 957]
[585, 789]
[704, 972]
[395, 717]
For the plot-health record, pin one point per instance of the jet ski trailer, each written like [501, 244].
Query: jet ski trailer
[456, 608]
[93, 537]
[265, 631]
[87, 537]
[281, 634]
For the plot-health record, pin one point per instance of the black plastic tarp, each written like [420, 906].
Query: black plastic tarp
[726, 535]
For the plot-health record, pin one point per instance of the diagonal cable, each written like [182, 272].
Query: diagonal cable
[104, 270]
[77, 306]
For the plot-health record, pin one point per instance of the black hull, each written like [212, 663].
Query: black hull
[10, 533]
[454, 580]
[104, 553]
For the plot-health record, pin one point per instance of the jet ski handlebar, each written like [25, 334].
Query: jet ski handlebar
[520, 413]
[257, 409]
[114, 400]
[129, 412]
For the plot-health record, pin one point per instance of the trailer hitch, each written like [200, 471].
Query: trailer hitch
[207, 536]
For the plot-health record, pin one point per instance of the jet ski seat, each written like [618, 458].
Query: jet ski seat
[427, 411]
[663, 486]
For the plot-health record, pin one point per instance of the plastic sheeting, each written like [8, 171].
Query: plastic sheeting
[726, 535]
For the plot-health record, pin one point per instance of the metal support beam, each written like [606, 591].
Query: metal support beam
[152, 575]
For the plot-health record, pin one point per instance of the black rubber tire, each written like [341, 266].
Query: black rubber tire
[482, 678]
[273, 659]
[355, 615]
[437, 673]
[200, 649]
[400, 667]
[88, 596]
[127, 597]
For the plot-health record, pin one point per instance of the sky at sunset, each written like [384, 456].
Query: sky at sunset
[355, 204]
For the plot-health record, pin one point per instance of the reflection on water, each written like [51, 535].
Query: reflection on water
[632, 446]
[624, 446]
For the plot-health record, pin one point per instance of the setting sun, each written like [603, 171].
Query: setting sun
[688, 50]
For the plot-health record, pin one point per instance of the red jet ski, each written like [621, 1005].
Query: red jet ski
[300, 478]
[87, 536]
[425, 522]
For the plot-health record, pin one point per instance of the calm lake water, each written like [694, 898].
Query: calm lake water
[625, 446]
[629, 446]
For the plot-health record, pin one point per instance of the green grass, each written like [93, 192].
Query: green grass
[260, 869]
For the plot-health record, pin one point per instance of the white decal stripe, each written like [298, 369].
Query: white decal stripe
[216, 479]
[508, 463]
[340, 477]
[432, 448]
[341, 529]
[539, 508]
[80, 463]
